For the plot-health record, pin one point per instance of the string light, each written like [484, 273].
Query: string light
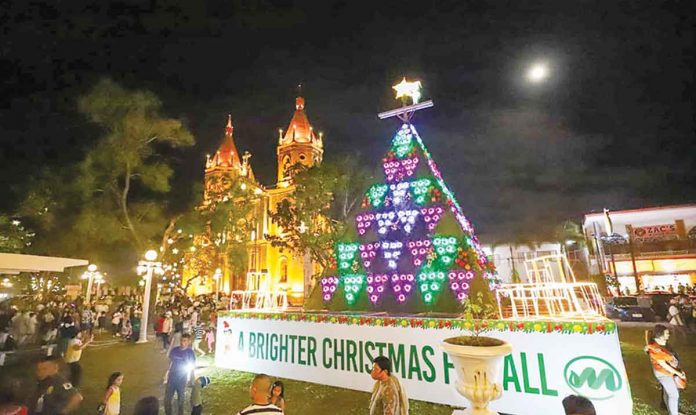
[375, 286]
[346, 254]
[408, 205]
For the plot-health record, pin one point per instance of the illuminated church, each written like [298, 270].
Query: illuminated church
[268, 267]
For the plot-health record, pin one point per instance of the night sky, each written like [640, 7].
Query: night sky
[612, 127]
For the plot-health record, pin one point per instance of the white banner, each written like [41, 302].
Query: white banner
[550, 360]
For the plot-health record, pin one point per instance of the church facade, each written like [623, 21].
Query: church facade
[268, 267]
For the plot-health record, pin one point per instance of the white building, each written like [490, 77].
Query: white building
[507, 257]
[655, 247]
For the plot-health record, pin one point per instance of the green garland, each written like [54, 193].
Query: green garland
[526, 326]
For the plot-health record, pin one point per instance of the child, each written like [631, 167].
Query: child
[126, 329]
[116, 323]
[278, 394]
[198, 333]
[196, 399]
[112, 397]
[210, 338]
[101, 321]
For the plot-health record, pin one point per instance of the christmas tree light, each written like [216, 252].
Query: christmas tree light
[346, 256]
[404, 254]
[368, 252]
[353, 284]
[328, 287]
[376, 284]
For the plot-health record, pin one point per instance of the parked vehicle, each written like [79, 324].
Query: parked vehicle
[629, 308]
[660, 304]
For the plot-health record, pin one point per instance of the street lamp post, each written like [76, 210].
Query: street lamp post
[90, 275]
[99, 280]
[216, 277]
[148, 267]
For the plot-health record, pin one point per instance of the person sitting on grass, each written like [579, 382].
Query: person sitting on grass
[259, 391]
[578, 405]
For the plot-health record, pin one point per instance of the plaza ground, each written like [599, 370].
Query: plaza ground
[144, 368]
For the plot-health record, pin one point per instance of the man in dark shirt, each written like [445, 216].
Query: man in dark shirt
[54, 394]
[182, 362]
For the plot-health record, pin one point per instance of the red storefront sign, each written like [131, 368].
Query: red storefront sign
[655, 233]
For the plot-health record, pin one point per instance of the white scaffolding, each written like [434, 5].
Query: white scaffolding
[258, 296]
[552, 293]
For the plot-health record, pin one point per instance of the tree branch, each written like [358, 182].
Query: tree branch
[124, 208]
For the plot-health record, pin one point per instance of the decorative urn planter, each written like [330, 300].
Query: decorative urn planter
[478, 362]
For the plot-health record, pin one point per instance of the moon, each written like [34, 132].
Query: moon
[538, 72]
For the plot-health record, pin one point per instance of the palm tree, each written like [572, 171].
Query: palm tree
[570, 233]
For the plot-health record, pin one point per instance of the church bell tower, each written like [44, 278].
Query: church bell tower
[298, 144]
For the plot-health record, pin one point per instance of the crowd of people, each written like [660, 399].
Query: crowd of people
[185, 330]
[56, 320]
[65, 328]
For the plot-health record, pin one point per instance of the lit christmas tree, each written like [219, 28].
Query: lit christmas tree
[413, 240]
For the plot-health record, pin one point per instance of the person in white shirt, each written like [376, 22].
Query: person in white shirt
[17, 327]
[116, 323]
[675, 319]
[167, 330]
[30, 328]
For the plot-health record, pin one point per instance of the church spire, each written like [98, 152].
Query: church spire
[227, 156]
[229, 129]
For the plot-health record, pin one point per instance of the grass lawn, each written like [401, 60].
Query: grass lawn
[144, 367]
[228, 392]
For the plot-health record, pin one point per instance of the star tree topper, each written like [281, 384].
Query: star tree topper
[406, 89]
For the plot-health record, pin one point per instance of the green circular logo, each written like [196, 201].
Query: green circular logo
[592, 377]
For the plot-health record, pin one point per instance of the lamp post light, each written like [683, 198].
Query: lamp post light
[90, 275]
[216, 277]
[148, 267]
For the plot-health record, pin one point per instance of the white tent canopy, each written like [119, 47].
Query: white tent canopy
[16, 263]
